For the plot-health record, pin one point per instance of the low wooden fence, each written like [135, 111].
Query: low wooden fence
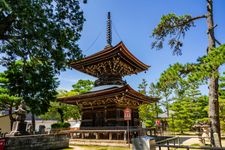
[110, 133]
[174, 143]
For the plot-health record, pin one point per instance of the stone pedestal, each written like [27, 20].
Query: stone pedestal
[19, 128]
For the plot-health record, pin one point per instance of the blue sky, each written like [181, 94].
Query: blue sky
[133, 22]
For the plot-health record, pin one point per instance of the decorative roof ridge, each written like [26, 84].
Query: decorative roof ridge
[142, 95]
[109, 50]
[97, 92]
[131, 55]
[103, 51]
[104, 87]
[126, 88]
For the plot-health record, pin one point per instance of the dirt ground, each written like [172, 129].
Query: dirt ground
[191, 141]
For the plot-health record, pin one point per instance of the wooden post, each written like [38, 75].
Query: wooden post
[167, 143]
[216, 139]
[127, 117]
[97, 135]
[110, 136]
[128, 133]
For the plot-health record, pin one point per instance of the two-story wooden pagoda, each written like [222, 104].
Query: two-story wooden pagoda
[102, 107]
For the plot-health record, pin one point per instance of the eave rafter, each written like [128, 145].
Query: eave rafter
[114, 66]
[116, 100]
[118, 60]
[118, 96]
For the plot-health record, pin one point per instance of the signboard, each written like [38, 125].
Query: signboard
[157, 122]
[127, 114]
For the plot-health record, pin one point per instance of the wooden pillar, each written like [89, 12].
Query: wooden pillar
[97, 135]
[117, 136]
[105, 116]
[82, 135]
[125, 136]
[117, 115]
[110, 135]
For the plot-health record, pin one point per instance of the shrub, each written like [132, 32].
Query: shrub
[55, 125]
[66, 125]
[60, 125]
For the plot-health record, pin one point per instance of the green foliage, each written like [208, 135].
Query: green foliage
[188, 111]
[189, 106]
[4, 5]
[69, 111]
[64, 93]
[222, 101]
[142, 88]
[207, 65]
[222, 113]
[34, 82]
[55, 125]
[148, 112]
[174, 27]
[193, 73]
[38, 39]
[61, 111]
[222, 86]
[172, 77]
[44, 30]
[82, 86]
[7, 100]
[154, 90]
[60, 125]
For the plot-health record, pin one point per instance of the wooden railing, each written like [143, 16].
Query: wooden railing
[174, 143]
[110, 133]
[169, 147]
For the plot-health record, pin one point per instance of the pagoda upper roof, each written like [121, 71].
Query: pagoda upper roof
[118, 58]
[121, 95]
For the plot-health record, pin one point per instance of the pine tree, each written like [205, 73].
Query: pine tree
[175, 27]
[7, 100]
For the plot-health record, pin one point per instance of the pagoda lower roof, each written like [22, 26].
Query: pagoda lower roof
[121, 95]
[116, 60]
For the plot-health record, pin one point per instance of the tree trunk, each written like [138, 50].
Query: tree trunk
[167, 109]
[33, 123]
[213, 83]
[156, 109]
[11, 117]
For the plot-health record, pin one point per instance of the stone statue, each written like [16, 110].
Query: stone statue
[19, 126]
[21, 112]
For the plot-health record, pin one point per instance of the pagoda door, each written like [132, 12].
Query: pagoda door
[99, 119]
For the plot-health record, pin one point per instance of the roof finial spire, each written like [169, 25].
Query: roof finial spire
[108, 31]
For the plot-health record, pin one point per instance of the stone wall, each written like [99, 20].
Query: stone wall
[37, 142]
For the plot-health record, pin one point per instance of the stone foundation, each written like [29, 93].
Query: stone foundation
[37, 142]
[102, 142]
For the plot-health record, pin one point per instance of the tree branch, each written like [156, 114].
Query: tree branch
[5, 25]
[192, 19]
[217, 42]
